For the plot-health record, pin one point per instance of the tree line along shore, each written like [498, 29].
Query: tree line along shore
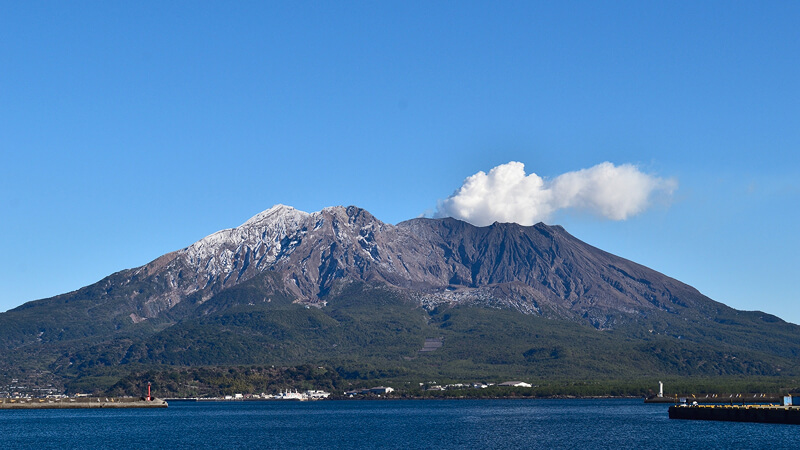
[216, 382]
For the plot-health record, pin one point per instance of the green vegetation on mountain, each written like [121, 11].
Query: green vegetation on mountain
[368, 333]
[204, 382]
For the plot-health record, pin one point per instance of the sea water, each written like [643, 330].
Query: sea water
[434, 424]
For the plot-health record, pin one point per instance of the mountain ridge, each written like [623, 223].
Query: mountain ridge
[460, 260]
[375, 259]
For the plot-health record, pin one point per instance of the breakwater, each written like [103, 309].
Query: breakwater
[737, 413]
[721, 399]
[81, 402]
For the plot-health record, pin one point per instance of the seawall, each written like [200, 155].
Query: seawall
[81, 403]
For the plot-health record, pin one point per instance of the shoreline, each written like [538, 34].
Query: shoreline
[666, 400]
[394, 398]
[82, 403]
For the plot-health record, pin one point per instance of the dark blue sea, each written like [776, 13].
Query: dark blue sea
[434, 424]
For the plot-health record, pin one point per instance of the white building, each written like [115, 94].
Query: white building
[515, 384]
[381, 390]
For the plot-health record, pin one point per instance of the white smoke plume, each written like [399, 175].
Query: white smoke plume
[507, 194]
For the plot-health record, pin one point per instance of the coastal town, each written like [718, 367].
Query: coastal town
[17, 389]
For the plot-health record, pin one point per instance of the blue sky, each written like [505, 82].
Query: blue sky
[131, 129]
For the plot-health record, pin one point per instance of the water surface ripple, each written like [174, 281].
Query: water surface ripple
[434, 424]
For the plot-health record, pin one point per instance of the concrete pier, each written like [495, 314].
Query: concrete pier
[81, 403]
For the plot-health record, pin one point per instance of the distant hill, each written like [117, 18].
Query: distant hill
[341, 288]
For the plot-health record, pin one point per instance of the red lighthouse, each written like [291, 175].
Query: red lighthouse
[148, 392]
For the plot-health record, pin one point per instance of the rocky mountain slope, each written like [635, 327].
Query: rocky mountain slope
[538, 270]
[287, 285]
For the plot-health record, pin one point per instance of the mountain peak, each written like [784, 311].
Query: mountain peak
[277, 212]
[264, 231]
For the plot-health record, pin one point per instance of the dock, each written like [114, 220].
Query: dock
[721, 399]
[738, 413]
[81, 403]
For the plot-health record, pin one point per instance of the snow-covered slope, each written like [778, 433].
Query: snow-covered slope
[258, 241]
[309, 250]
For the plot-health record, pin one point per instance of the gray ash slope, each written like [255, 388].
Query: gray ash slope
[285, 258]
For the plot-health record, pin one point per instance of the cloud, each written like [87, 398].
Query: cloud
[507, 194]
